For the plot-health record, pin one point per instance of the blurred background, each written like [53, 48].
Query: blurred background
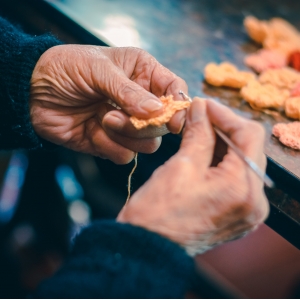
[47, 196]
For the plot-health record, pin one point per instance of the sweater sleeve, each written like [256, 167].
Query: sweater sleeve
[113, 260]
[19, 53]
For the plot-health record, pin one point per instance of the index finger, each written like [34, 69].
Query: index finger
[198, 139]
[159, 80]
[247, 135]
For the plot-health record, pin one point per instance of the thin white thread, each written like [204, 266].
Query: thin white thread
[130, 175]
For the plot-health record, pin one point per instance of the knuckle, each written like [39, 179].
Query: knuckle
[119, 157]
[180, 163]
[99, 152]
[123, 89]
[144, 56]
[255, 129]
[189, 133]
[147, 146]
[193, 143]
[197, 134]
[139, 51]
[262, 211]
[159, 171]
[134, 51]
[258, 213]
[153, 145]
[182, 82]
[126, 91]
[237, 191]
[184, 162]
[170, 168]
[124, 158]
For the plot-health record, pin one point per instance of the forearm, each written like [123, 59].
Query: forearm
[113, 260]
[19, 53]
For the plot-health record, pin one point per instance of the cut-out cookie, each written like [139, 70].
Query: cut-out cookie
[288, 134]
[285, 78]
[276, 34]
[226, 74]
[264, 95]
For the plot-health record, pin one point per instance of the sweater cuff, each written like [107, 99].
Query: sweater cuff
[116, 260]
[17, 130]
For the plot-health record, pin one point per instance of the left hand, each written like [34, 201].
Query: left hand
[70, 87]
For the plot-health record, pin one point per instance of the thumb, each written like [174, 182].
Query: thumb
[198, 140]
[131, 97]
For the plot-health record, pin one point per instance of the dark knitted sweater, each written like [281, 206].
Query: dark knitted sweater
[109, 259]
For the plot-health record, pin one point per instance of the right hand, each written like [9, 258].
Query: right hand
[197, 205]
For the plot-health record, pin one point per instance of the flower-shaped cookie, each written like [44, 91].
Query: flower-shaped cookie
[264, 95]
[288, 134]
[285, 78]
[226, 74]
[276, 34]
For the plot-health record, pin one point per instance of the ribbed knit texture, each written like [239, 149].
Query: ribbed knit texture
[113, 260]
[19, 53]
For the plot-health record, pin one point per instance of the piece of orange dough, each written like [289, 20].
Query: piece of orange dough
[170, 107]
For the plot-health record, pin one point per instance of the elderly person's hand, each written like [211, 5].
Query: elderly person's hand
[70, 87]
[197, 205]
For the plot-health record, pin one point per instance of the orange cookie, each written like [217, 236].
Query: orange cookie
[276, 34]
[264, 95]
[226, 74]
[256, 29]
[286, 47]
[292, 107]
[170, 107]
[283, 29]
[288, 134]
[284, 78]
[282, 37]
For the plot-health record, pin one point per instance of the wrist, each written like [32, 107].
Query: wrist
[142, 218]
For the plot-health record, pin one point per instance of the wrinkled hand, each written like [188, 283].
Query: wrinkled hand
[195, 204]
[70, 87]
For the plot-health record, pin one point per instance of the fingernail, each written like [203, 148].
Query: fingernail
[114, 122]
[151, 105]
